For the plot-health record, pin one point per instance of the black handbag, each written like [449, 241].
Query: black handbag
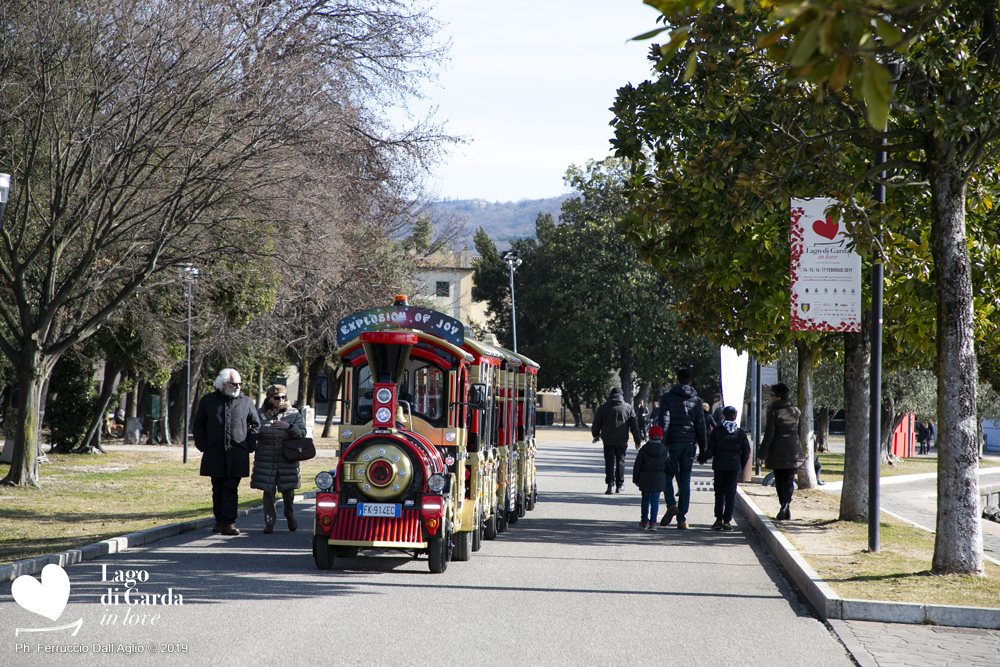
[302, 449]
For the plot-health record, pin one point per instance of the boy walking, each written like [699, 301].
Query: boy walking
[729, 448]
[649, 473]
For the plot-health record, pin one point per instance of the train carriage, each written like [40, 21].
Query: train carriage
[401, 484]
[484, 453]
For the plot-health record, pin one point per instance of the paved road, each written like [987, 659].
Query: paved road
[574, 583]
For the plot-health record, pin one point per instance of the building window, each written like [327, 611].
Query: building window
[443, 288]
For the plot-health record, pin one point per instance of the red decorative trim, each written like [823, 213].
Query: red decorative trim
[350, 527]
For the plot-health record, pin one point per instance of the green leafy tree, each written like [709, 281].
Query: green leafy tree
[582, 287]
[779, 137]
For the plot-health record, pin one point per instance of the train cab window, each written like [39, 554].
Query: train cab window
[424, 385]
[364, 392]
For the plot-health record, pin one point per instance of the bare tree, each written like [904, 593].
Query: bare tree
[144, 135]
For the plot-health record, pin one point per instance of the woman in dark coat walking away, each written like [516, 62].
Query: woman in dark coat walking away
[649, 473]
[272, 472]
[781, 450]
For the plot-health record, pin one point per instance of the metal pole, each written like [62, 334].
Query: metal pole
[187, 385]
[513, 317]
[875, 407]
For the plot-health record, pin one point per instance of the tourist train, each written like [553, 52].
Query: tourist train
[437, 444]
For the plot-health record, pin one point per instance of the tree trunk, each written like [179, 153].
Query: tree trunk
[625, 372]
[888, 423]
[823, 430]
[574, 408]
[857, 393]
[32, 375]
[807, 360]
[336, 376]
[164, 434]
[261, 396]
[958, 543]
[92, 440]
[300, 395]
[177, 404]
[317, 365]
[132, 399]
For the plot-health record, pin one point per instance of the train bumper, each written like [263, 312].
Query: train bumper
[404, 532]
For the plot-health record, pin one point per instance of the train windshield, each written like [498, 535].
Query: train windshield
[424, 385]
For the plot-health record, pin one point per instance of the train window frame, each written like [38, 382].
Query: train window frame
[406, 381]
[361, 400]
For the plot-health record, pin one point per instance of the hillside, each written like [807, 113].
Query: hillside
[501, 220]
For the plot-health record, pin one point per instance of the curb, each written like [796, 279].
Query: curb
[831, 606]
[114, 545]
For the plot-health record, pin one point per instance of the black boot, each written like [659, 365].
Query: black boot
[610, 490]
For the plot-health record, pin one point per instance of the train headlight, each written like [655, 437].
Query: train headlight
[383, 414]
[383, 395]
[436, 483]
[324, 481]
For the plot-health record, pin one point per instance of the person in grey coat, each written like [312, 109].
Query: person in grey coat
[781, 449]
[225, 430]
[272, 472]
[649, 473]
[612, 424]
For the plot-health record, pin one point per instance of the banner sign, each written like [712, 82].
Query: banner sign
[734, 376]
[826, 275]
[387, 318]
[768, 375]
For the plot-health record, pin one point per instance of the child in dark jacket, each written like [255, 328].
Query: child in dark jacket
[729, 446]
[649, 473]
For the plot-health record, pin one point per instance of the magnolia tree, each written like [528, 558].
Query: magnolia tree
[767, 135]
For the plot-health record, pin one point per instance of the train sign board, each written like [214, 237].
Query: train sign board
[388, 318]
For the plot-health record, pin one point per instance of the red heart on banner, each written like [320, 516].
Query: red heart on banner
[826, 229]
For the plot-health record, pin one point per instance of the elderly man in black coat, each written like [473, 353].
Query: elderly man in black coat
[612, 424]
[225, 429]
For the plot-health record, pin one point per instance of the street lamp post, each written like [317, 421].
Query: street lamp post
[188, 274]
[513, 261]
[4, 192]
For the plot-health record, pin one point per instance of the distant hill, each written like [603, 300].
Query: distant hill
[501, 220]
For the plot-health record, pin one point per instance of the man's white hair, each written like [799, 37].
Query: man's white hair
[227, 375]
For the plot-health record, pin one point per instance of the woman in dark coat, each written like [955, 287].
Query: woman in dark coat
[272, 472]
[781, 450]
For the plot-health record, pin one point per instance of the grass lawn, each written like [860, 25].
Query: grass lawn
[899, 572]
[833, 467]
[89, 498]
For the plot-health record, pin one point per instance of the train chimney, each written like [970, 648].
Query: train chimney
[387, 352]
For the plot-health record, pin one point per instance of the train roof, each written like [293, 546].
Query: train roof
[421, 335]
[483, 349]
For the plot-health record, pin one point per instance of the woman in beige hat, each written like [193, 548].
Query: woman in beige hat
[272, 472]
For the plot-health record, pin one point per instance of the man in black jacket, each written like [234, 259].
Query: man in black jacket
[225, 430]
[612, 424]
[683, 422]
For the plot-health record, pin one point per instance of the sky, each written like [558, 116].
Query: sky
[529, 85]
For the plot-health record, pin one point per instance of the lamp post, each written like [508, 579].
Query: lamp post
[513, 261]
[188, 274]
[4, 192]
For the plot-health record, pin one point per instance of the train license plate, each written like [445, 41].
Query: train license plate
[380, 509]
